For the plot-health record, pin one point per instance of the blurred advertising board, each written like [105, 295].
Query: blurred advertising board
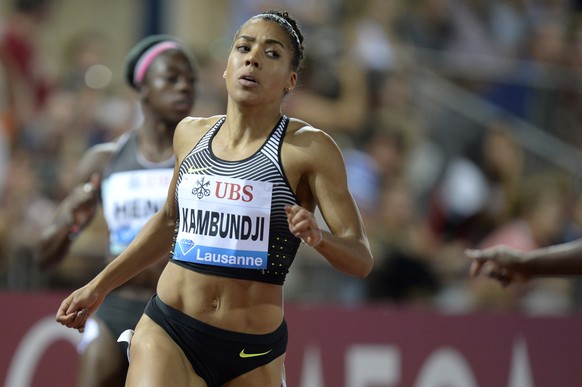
[334, 346]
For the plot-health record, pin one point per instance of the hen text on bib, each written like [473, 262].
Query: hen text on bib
[223, 221]
[130, 199]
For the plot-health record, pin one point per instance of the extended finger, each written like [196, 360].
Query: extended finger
[480, 255]
[476, 267]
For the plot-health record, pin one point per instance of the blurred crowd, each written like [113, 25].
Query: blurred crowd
[443, 110]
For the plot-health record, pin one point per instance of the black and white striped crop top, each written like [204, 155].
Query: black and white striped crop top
[231, 214]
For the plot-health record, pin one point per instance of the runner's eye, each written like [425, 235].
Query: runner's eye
[273, 53]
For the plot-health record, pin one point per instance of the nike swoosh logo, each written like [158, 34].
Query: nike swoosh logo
[245, 355]
[194, 170]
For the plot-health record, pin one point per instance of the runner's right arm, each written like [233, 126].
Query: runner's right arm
[76, 211]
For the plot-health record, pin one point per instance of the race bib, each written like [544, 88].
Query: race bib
[223, 221]
[130, 199]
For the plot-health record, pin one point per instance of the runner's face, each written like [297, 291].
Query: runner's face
[170, 83]
[259, 65]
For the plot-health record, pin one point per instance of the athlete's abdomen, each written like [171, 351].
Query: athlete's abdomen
[227, 303]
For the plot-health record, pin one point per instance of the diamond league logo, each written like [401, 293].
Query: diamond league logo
[186, 245]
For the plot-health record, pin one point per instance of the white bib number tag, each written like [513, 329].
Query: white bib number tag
[223, 221]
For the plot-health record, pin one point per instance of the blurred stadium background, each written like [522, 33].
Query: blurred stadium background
[461, 126]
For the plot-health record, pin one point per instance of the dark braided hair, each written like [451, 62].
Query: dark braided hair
[290, 25]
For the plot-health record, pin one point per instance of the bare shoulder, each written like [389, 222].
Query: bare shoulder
[105, 149]
[303, 135]
[95, 160]
[307, 149]
[190, 130]
[195, 124]
[101, 153]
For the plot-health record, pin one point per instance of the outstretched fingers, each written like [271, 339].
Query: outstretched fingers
[489, 262]
[478, 260]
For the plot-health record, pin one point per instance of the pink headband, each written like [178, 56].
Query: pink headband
[148, 57]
